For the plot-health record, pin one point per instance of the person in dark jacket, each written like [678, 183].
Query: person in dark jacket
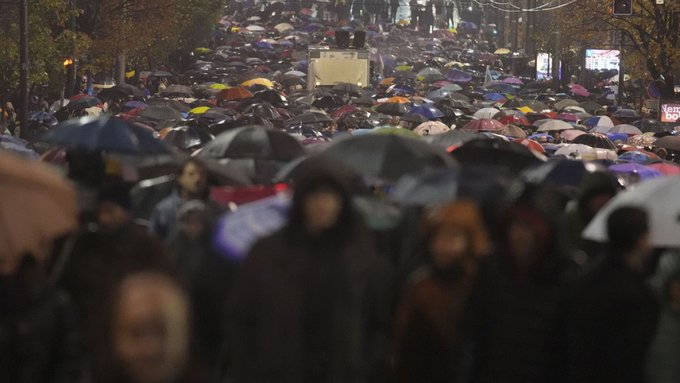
[429, 338]
[614, 314]
[662, 365]
[100, 259]
[310, 302]
[39, 339]
[518, 304]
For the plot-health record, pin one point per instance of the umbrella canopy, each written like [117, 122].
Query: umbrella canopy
[514, 119]
[258, 81]
[427, 110]
[497, 153]
[414, 118]
[387, 156]
[487, 113]
[107, 134]
[484, 125]
[595, 140]
[309, 118]
[658, 197]
[514, 131]
[430, 128]
[160, 113]
[585, 153]
[625, 129]
[554, 125]
[253, 142]
[668, 142]
[398, 100]
[429, 188]
[392, 109]
[234, 94]
[666, 168]
[570, 135]
[642, 140]
[347, 88]
[181, 91]
[37, 206]
[563, 104]
[187, 138]
[599, 121]
[641, 171]
[459, 76]
[452, 139]
[120, 91]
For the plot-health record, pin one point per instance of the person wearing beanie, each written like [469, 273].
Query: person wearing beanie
[614, 313]
[429, 336]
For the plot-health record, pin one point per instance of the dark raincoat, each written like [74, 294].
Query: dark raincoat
[310, 309]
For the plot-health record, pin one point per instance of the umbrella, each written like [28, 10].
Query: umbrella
[459, 76]
[309, 118]
[658, 197]
[262, 110]
[187, 138]
[642, 140]
[514, 119]
[160, 113]
[514, 131]
[585, 153]
[554, 125]
[668, 142]
[494, 97]
[531, 144]
[497, 153]
[638, 157]
[17, 146]
[626, 113]
[179, 91]
[415, 118]
[392, 109]
[666, 168]
[483, 125]
[387, 156]
[429, 188]
[199, 110]
[43, 118]
[174, 104]
[120, 91]
[234, 94]
[253, 142]
[431, 128]
[487, 113]
[513, 81]
[272, 96]
[535, 105]
[561, 173]
[591, 106]
[599, 121]
[398, 100]
[36, 207]
[451, 87]
[502, 51]
[595, 140]
[451, 139]
[107, 134]
[258, 81]
[570, 135]
[574, 109]
[427, 110]
[579, 90]
[568, 117]
[562, 104]
[81, 102]
[626, 129]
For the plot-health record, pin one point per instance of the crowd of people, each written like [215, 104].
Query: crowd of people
[428, 228]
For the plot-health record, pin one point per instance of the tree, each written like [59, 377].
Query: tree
[651, 34]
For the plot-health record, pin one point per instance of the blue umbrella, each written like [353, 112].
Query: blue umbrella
[105, 134]
[636, 157]
[541, 136]
[263, 45]
[642, 171]
[134, 104]
[286, 43]
[402, 89]
[438, 94]
[457, 75]
[502, 88]
[427, 110]
[494, 97]
[621, 137]
[17, 146]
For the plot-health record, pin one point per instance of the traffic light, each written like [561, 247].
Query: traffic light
[67, 62]
[623, 7]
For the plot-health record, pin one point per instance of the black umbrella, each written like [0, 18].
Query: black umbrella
[668, 142]
[393, 109]
[253, 142]
[595, 140]
[160, 73]
[83, 102]
[182, 91]
[496, 153]
[120, 91]
[387, 156]
[327, 102]
[415, 118]
[160, 113]
[264, 110]
[309, 118]
[452, 139]
[273, 97]
[174, 104]
[187, 138]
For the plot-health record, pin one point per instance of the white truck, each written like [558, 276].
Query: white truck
[330, 66]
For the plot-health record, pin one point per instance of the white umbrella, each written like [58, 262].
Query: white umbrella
[430, 128]
[659, 198]
[626, 129]
[574, 109]
[571, 134]
[605, 121]
[585, 153]
[255, 28]
[602, 129]
[284, 27]
[486, 113]
[554, 125]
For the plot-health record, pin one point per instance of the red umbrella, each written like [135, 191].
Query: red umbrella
[343, 110]
[568, 117]
[666, 168]
[514, 119]
[236, 93]
[531, 144]
[483, 125]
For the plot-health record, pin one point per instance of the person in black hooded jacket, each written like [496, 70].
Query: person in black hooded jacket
[310, 302]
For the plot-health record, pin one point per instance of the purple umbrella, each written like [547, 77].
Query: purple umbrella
[644, 172]
[513, 81]
[457, 75]
[427, 110]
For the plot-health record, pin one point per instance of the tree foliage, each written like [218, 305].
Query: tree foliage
[651, 40]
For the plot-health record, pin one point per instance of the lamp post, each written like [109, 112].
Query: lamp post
[23, 67]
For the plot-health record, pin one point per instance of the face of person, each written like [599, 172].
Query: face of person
[194, 179]
[112, 217]
[321, 210]
[448, 247]
[150, 331]
[521, 239]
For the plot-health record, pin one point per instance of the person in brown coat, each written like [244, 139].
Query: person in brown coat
[428, 340]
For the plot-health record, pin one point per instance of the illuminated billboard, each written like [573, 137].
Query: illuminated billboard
[603, 59]
[543, 66]
[669, 111]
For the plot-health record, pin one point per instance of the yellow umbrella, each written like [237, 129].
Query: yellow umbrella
[397, 100]
[525, 109]
[259, 81]
[403, 22]
[218, 86]
[453, 30]
[199, 110]
[502, 51]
